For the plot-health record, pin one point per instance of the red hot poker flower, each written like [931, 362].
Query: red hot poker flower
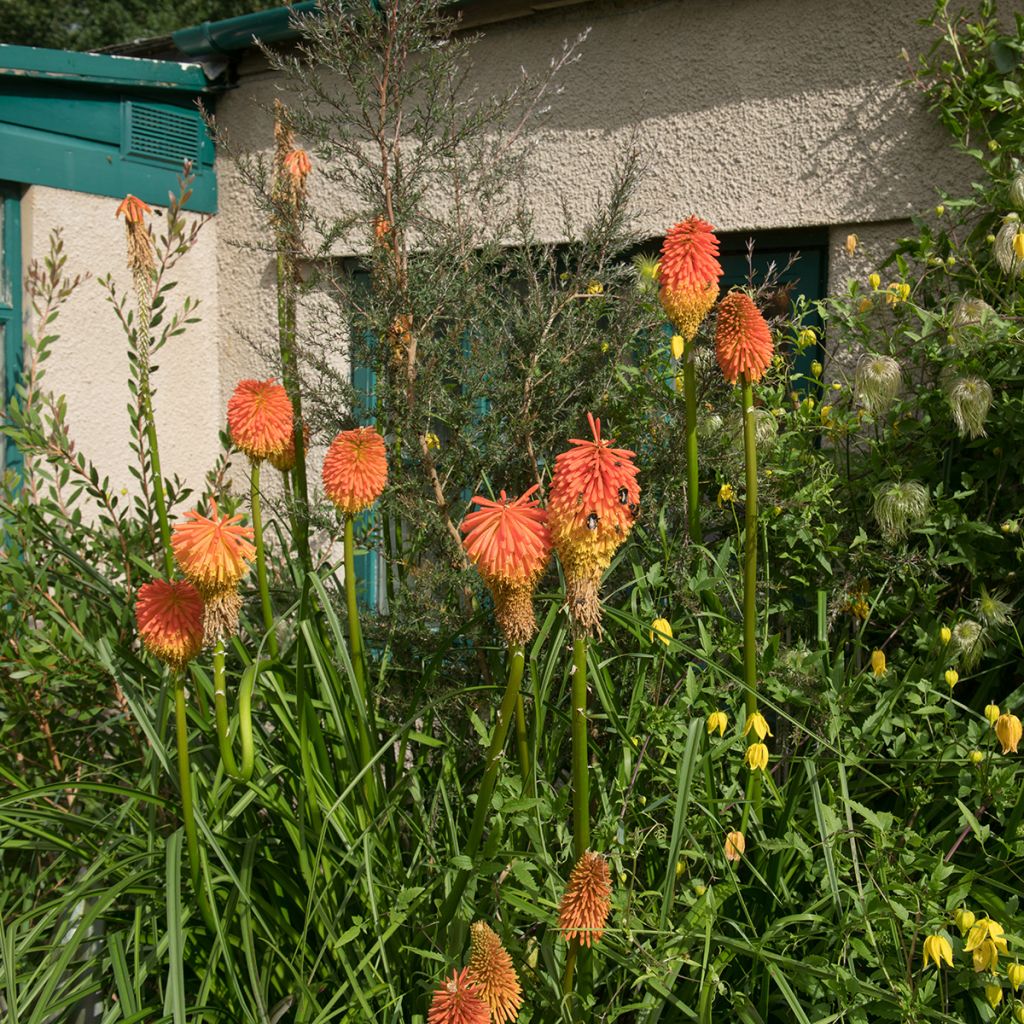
[587, 901]
[215, 553]
[170, 621]
[593, 503]
[458, 1001]
[491, 968]
[508, 540]
[297, 164]
[743, 340]
[510, 544]
[133, 208]
[355, 470]
[688, 274]
[260, 419]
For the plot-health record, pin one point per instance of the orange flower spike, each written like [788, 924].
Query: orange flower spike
[170, 621]
[491, 968]
[355, 470]
[458, 1001]
[587, 902]
[297, 164]
[688, 274]
[593, 503]
[133, 208]
[508, 540]
[743, 340]
[260, 419]
[214, 553]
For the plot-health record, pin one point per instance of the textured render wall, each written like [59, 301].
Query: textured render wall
[89, 362]
[756, 115]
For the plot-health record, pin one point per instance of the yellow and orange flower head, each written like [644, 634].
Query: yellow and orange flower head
[688, 274]
[458, 1001]
[260, 419]
[743, 340]
[593, 503]
[587, 901]
[1008, 732]
[355, 470]
[509, 542]
[170, 621]
[214, 554]
[491, 968]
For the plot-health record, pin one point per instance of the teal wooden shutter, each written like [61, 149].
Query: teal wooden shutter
[367, 562]
[10, 309]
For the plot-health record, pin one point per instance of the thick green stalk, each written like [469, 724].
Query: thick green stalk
[290, 374]
[692, 474]
[187, 810]
[220, 697]
[261, 560]
[516, 663]
[522, 744]
[750, 580]
[580, 760]
[158, 477]
[355, 643]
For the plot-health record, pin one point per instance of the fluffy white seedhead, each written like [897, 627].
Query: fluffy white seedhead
[1009, 250]
[970, 312]
[901, 507]
[992, 610]
[1017, 192]
[878, 381]
[969, 639]
[970, 399]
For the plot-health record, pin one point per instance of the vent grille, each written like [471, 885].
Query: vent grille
[158, 133]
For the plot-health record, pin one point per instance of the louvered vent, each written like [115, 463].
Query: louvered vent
[160, 133]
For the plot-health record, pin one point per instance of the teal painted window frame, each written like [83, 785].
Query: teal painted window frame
[11, 309]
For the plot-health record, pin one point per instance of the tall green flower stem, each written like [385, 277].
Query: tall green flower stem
[516, 664]
[692, 475]
[187, 810]
[522, 743]
[750, 575]
[355, 642]
[261, 560]
[144, 299]
[580, 760]
[243, 772]
[290, 375]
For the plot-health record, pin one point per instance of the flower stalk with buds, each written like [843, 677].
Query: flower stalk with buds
[688, 273]
[510, 544]
[743, 344]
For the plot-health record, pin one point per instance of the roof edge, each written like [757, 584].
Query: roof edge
[101, 69]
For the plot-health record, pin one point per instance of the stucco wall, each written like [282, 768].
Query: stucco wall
[755, 115]
[89, 362]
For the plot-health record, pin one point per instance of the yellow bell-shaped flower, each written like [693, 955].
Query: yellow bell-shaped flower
[964, 919]
[718, 720]
[878, 663]
[1015, 972]
[662, 629]
[756, 757]
[759, 724]
[937, 948]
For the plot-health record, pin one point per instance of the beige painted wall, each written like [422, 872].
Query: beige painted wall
[89, 362]
[754, 114]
